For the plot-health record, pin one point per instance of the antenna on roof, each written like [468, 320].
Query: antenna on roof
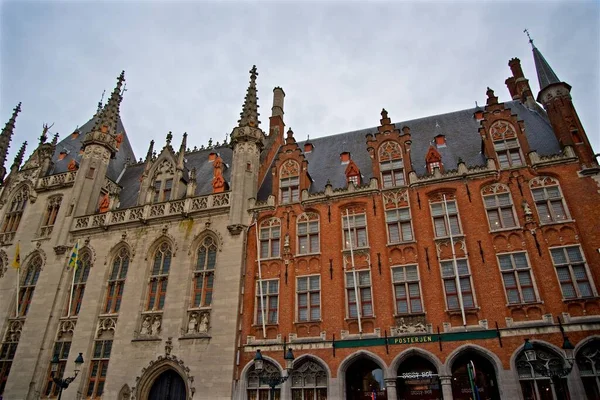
[436, 124]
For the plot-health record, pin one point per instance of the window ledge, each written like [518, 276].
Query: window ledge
[65, 318]
[270, 325]
[580, 299]
[401, 243]
[316, 321]
[150, 312]
[270, 259]
[563, 221]
[501, 230]
[467, 310]
[147, 339]
[421, 314]
[521, 305]
[205, 308]
[458, 235]
[115, 315]
[308, 254]
[349, 319]
[362, 248]
[195, 336]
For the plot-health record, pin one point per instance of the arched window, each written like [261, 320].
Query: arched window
[588, 361]
[116, 282]
[28, 283]
[157, 285]
[289, 182]
[391, 165]
[548, 199]
[81, 274]
[204, 273]
[499, 207]
[270, 235]
[506, 144]
[308, 233]
[534, 385]
[257, 388]
[52, 208]
[15, 212]
[162, 183]
[309, 381]
[463, 367]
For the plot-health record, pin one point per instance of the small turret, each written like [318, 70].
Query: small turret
[18, 159]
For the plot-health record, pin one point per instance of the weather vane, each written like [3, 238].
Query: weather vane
[124, 89]
[527, 33]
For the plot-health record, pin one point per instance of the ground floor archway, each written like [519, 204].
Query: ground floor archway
[168, 386]
[417, 379]
[365, 380]
[484, 380]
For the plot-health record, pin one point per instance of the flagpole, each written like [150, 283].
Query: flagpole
[17, 303]
[73, 278]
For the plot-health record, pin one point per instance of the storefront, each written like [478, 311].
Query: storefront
[364, 381]
[418, 380]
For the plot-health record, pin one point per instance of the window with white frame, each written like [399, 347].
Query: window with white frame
[308, 294]
[308, 233]
[289, 182]
[270, 237]
[270, 301]
[506, 144]
[445, 218]
[518, 280]
[365, 297]
[572, 271]
[466, 286]
[407, 291]
[355, 229]
[549, 201]
[399, 226]
[391, 165]
[204, 273]
[499, 207]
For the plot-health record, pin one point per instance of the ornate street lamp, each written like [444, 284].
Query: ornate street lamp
[273, 379]
[64, 383]
[554, 368]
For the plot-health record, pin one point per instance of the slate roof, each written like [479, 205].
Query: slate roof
[545, 73]
[462, 141]
[130, 181]
[72, 145]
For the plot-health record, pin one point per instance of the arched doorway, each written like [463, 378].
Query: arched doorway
[365, 381]
[418, 380]
[588, 361]
[168, 386]
[536, 386]
[484, 381]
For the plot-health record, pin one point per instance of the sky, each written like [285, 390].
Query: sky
[339, 62]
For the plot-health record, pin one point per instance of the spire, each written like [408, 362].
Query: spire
[249, 115]
[7, 133]
[100, 103]
[546, 75]
[150, 150]
[19, 157]
[109, 115]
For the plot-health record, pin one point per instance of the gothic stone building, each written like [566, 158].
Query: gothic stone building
[155, 296]
[392, 260]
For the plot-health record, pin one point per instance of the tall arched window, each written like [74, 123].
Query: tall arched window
[549, 201]
[204, 273]
[289, 182]
[116, 281]
[308, 233]
[270, 235]
[15, 212]
[588, 361]
[52, 208]
[309, 381]
[391, 165]
[28, 283]
[79, 281]
[533, 384]
[506, 144]
[257, 388]
[499, 207]
[157, 285]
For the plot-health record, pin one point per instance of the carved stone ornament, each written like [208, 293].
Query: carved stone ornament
[151, 325]
[66, 329]
[13, 333]
[106, 327]
[198, 323]
[3, 263]
[409, 325]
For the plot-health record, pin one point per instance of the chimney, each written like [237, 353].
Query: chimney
[345, 157]
[278, 97]
[515, 67]
[512, 87]
[212, 157]
[308, 147]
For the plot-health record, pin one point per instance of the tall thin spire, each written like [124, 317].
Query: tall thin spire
[249, 114]
[100, 103]
[546, 75]
[109, 116]
[19, 157]
[5, 138]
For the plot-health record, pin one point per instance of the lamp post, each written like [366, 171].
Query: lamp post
[64, 383]
[553, 367]
[273, 379]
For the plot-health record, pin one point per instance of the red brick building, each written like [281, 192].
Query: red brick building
[412, 260]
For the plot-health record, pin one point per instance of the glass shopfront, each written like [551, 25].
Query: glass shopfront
[484, 380]
[364, 381]
[418, 380]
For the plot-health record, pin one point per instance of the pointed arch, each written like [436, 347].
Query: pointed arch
[289, 182]
[120, 261]
[124, 393]
[29, 277]
[165, 237]
[411, 352]
[161, 253]
[350, 359]
[144, 382]
[84, 264]
[16, 206]
[309, 376]
[205, 263]
[490, 356]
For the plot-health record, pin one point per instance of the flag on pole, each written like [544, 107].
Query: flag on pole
[74, 257]
[17, 260]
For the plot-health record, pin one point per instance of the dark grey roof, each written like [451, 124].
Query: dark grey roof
[72, 145]
[546, 75]
[460, 128]
[130, 181]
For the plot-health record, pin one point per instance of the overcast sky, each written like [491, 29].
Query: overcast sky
[186, 63]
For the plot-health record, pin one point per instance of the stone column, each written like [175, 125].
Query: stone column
[390, 386]
[446, 381]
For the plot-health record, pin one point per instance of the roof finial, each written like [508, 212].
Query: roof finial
[169, 138]
[150, 150]
[249, 114]
[5, 138]
[19, 156]
[44, 135]
[109, 116]
[530, 39]
[100, 103]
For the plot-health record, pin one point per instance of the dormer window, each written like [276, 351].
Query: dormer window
[289, 183]
[162, 190]
[354, 179]
[506, 144]
[433, 165]
[352, 173]
[434, 158]
[391, 165]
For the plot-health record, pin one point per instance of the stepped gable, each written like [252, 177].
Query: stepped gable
[130, 181]
[73, 146]
[462, 141]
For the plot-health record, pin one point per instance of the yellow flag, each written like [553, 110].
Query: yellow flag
[17, 261]
[74, 256]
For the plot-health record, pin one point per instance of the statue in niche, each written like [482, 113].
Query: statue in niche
[145, 326]
[156, 326]
[286, 240]
[192, 323]
[203, 323]
[527, 209]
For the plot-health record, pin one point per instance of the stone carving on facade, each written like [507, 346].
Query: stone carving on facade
[106, 327]
[410, 324]
[198, 323]
[13, 333]
[151, 325]
[66, 328]
[97, 153]
[3, 263]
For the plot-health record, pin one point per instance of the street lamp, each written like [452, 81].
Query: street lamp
[64, 383]
[554, 368]
[273, 379]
